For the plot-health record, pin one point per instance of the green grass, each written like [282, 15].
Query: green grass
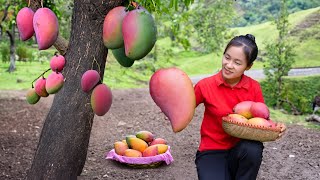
[288, 119]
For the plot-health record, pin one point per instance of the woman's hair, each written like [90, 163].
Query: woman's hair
[249, 45]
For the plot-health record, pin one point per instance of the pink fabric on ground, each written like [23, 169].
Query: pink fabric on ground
[166, 157]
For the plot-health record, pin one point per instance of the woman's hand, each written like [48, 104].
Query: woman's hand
[282, 127]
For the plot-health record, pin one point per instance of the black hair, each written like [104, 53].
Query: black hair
[249, 45]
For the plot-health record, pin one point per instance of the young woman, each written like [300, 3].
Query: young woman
[221, 156]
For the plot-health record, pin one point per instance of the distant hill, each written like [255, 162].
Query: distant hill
[252, 12]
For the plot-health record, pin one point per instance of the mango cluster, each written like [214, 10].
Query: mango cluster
[50, 85]
[130, 35]
[43, 23]
[101, 95]
[252, 113]
[143, 144]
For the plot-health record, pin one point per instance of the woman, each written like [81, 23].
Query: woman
[221, 156]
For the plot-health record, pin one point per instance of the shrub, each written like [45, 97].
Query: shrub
[299, 92]
[4, 52]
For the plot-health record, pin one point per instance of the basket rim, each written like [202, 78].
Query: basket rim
[227, 119]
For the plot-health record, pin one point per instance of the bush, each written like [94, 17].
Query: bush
[4, 52]
[299, 92]
[23, 53]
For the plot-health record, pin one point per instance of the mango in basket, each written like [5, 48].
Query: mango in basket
[150, 151]
[145, 135]
[257, 121]
[136, 143]
[120, 147]
[238, 118]
[162, 148]
[158, 141]
[132, 153]
[243, 108]
[250, 109]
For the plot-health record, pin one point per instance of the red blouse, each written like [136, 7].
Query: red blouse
[219, 98]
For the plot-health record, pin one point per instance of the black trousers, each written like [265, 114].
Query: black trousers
[242, 162]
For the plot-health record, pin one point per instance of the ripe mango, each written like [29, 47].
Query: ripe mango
[257, 121]
[120, 56]
[57, 63]
[243, 108]
[145, 135]
[136, 143]
[54, 82]
[101, 99]
[32, 97]
[120, 147]
[139, 33]
[150, 151]
[259, 109]
[158, 141]
[172, 90]
[46, 27]
[40, 87]
[89, 80]
[238, 118]
[25, 23]
[112, 27]
[132, 153]
[162, 148]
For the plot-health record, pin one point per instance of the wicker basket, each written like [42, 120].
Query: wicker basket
[248, 131]
[145, 166]
[142, 162]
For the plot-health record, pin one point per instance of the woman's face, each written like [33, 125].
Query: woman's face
[234, 63]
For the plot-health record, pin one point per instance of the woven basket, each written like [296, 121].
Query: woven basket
[145, 166]
[248, 131]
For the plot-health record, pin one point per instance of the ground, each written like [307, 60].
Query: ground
[296, 156]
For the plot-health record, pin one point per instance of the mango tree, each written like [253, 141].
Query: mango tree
[62, 148]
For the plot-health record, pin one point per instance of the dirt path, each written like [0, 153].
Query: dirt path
[296, 156]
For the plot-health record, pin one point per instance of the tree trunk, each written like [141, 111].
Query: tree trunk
[12, 66]
[63, 144]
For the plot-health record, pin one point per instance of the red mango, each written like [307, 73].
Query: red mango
[25, 23]
[172, 90]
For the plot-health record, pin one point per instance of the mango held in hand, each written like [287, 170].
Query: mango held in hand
[46, 27]
[139, 33]
[101, 99]
[112, 27]
[25, 23]
[32, 97]
[172, 90]
[54, 82]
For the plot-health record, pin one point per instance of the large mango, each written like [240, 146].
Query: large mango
[25, 23]
[121, 57]
[172, 90]
[46, 27]
[112, 27]
[139, 33]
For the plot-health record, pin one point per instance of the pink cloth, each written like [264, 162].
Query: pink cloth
[166, 157]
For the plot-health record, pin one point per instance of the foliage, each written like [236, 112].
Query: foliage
[279, 58]
[4, 52]
[258, 11]
[299, 91]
